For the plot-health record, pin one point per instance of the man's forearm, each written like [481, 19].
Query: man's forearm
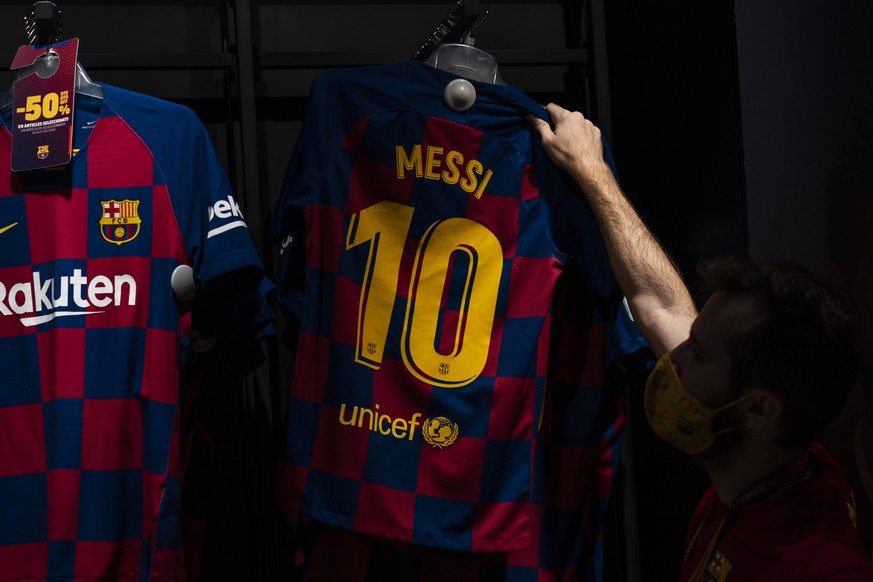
[658, 298]
[659, 301]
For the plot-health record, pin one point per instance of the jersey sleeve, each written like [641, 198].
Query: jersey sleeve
[226, 265]
[326, 121]
[576, 236]
[288, 227]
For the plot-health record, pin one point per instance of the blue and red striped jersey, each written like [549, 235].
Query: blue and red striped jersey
[92, 338]
[433, 243]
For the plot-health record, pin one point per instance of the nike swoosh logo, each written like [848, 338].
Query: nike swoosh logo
[5, 228]
[90, 122]
[31, 321]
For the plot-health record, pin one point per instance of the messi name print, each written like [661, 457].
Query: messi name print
[433, 240]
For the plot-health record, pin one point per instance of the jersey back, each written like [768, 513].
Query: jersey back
[433, 240]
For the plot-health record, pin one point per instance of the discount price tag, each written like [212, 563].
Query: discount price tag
[42, 105]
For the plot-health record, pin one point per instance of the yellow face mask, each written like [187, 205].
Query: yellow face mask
[677, 416]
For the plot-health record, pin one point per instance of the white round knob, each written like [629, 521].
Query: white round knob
[183, 284]
[460, 95]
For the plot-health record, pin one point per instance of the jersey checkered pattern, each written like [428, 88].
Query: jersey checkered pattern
[433, 242]
[91, 338]
[577, 448]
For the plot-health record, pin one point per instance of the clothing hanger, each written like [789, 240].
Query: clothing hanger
[44, 27]
[466, 60]
[84, 84]
[450, 46]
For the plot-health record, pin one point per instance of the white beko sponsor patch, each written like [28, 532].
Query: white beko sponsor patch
[222, 211]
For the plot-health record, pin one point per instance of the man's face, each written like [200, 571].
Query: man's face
[703, 364]
[702, 361]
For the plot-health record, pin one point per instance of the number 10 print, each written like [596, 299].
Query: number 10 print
[385, 226]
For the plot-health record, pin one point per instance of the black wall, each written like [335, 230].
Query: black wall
[805, 73]
[726, 119]
[678, 147]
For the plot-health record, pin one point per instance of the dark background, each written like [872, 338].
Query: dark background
[723, 116]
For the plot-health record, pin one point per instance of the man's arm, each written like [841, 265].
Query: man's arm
[657, 296]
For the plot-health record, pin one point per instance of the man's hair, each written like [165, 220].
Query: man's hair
[800, 348]
[850, 196]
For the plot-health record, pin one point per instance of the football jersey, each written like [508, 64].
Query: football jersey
[577, 451]
[843, 442]
[433, 242]
[92, 337]
[795, 525]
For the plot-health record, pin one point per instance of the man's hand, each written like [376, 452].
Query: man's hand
[574, 144]
[656, 294]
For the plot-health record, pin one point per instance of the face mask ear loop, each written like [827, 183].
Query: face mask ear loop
[737, 401]
[728, 405]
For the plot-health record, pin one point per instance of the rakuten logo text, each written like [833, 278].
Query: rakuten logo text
[41, 300]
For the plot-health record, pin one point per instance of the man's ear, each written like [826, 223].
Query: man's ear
[762, 409]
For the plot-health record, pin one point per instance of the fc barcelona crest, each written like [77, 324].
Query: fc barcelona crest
[42, 152]
[718, 568]
[119, 222]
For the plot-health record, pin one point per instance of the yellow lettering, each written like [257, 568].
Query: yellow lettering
[405, 162]
[351, 421]
[433, 162]
[449, 169]
[398, 428]
[398, 424]
[361, 418]
[453, 174]
[470, 182]
[413, 422]
[484, 183]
